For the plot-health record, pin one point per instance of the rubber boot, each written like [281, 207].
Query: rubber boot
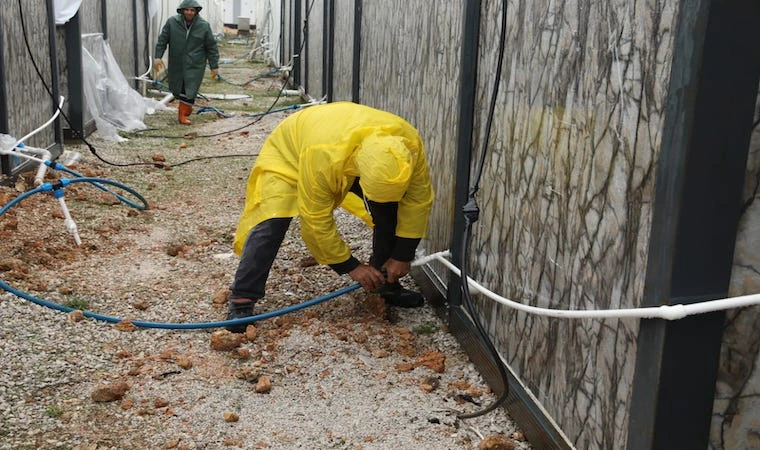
[237, 309]
[183, 111]
[395, 295]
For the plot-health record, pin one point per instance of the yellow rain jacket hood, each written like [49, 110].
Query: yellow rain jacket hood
[310, 161]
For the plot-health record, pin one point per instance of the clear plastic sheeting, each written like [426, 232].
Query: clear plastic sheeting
[110, 99]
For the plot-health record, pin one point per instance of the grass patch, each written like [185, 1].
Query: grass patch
[54, 411]
[426, 329]
[78, 303]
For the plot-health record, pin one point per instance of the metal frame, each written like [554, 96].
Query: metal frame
[54, 81]
[700, 178]
[357, 50]
[73, 38]
[297, 43]
[5, 161]
[328, 46]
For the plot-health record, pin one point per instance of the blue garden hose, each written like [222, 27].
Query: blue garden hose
[183, 326]
[99, 182]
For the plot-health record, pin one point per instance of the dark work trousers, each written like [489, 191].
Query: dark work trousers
[260, 249]
[264, 240]
[184, 98]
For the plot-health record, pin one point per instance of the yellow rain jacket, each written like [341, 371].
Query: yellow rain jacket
[309, 162]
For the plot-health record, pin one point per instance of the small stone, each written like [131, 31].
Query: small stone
[434, 361]
[160, 403]
[110, 392]
[518, 436]
[224, 340]
[141, 305]
[251, 332]
[184, 362]
[183, 145]
[172, 444]
[264, 385]
[158, 157]
[126, 326]
[231, 417]
[76, 315]
[496, 442]
[220, 297]
[429, 384]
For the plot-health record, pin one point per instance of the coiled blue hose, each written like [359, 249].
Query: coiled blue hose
[99, 182]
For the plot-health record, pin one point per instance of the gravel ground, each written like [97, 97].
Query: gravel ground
[349, 373]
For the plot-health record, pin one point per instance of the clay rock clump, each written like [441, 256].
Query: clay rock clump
[110, 392]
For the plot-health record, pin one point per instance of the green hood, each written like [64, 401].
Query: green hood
[189, 4]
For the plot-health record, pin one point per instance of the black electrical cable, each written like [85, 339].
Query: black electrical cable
[471, 213]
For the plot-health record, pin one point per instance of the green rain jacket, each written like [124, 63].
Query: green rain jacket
[309, 162]
[189, 49]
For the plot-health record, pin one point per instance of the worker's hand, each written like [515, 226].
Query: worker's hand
[396, 269]
[214, 74]
[158, 66]
[369, 277]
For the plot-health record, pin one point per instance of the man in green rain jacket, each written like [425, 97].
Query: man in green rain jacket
[368, 161]
[191, 43]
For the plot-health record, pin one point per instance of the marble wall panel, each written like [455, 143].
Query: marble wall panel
[410, 65]
[314, 54]
[566, 195]
[736, 411]
[344, 50]
[28, 103]
[121, 34]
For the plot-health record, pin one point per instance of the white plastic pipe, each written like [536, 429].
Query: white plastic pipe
[57, 111]
[71, 226]
[667, 312]
[45, 155]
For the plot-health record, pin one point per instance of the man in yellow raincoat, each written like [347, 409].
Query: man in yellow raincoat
[320, 158]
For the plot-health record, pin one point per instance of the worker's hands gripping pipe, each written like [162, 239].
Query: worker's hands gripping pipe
[371, 278]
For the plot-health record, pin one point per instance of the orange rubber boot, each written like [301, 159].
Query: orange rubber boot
[183, 111]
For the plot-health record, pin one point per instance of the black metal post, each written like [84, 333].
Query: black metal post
[700, 174]
[104, 19]
[468, 83]
[356, 71]
[54, 81]
[135, 43]
[306, 48]
[5, 161]
[73, 37]
[297, 43]
[282, 33]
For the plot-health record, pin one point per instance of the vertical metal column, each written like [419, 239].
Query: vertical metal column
[54, 81]
[700, 174]
[468, 83]
[104, 19]
[135, 43]
[5, 161]
[357, 56]
[328, 41]
[73, 37]
[305, 46]
[297, 43]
